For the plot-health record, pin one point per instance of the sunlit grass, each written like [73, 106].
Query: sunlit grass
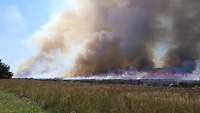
[65, 97]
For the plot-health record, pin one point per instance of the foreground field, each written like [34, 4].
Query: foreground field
[66, 97]
[9, 103]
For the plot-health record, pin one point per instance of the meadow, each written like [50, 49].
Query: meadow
[70, 97]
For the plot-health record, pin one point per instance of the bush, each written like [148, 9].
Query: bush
[5, 71]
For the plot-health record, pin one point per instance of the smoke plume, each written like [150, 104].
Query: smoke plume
[102, 34]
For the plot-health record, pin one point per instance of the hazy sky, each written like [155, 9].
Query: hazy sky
[18, 20]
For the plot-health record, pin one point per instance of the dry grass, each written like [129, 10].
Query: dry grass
[65, 97]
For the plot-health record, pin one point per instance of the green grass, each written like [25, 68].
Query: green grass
[9, 103]
[65, 97]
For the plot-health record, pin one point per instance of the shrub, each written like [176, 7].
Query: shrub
[5, 71]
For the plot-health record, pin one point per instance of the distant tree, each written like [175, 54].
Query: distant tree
[5, 71]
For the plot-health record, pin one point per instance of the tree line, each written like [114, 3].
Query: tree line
[5, 72]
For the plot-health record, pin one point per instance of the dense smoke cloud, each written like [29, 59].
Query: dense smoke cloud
[102, 34]
[186, 34]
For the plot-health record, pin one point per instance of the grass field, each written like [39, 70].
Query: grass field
[9, 103]
[66, 97]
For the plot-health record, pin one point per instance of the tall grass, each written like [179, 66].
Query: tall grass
[65, 97]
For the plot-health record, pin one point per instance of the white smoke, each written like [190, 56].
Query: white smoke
[196, 73]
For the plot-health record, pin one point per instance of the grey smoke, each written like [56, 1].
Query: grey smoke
[122, 33]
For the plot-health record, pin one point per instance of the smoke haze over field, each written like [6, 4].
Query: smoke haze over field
[97, 35]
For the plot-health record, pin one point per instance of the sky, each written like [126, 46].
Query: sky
[19, 19]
